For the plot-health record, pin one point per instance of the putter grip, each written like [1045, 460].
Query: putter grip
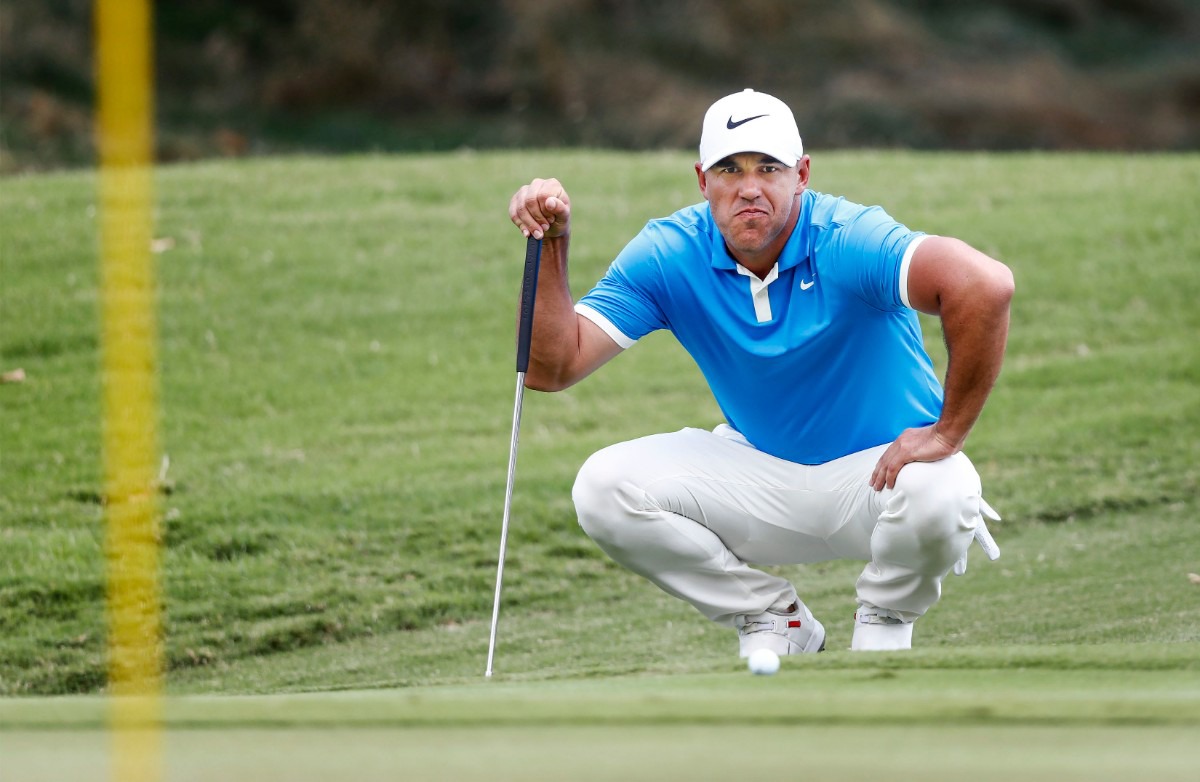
[533, 259]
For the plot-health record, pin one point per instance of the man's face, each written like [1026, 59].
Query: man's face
[753, 198]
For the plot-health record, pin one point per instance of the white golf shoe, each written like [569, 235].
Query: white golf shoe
[793, 632]
[876, 630]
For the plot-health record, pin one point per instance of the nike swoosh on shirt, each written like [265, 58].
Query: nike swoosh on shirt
[729, 123]
[805, 287]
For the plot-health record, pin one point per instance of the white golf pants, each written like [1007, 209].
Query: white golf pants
[693, 510]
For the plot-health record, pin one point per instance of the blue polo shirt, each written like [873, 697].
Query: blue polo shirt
[821, 359]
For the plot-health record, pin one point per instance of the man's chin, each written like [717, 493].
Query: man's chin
[747, 242]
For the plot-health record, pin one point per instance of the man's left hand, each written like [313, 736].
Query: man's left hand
[924, 444]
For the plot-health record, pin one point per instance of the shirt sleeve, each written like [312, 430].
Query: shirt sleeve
[873, 253]
[625, 301]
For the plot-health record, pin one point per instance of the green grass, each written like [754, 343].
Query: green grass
[1103, 718]
[337, 369]
[683, 753]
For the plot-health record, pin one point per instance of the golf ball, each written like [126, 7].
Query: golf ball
[763, 662]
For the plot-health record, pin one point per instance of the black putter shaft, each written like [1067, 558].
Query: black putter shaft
[533, 257]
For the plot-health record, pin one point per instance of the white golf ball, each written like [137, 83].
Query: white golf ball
[763, 662]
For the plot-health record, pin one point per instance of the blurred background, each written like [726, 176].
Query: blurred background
[241, 77]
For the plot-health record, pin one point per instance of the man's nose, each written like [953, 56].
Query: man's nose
[749, 188]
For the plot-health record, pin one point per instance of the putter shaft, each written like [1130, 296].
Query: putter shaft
[508, 492]
[529, 278]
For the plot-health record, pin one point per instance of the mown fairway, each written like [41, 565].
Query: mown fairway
[337, 368]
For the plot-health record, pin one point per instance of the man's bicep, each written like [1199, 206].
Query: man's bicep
[596, 348]
[938, 267]
[946, 267]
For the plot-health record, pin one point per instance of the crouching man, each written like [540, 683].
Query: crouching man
[839, 442]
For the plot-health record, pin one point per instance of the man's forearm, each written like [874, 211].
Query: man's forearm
[555, 342]
[976, 332]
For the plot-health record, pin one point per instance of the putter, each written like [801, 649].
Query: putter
[533, 257]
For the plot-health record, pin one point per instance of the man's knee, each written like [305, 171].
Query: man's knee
[604, 492]
[938, 500]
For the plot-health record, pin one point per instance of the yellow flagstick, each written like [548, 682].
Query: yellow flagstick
[124, 129]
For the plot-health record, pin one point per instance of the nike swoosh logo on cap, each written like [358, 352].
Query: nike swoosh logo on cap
[729, 123]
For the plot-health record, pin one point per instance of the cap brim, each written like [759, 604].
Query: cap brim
[717, 157]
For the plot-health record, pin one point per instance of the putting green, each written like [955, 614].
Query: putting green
[807, 721]
[848, 753]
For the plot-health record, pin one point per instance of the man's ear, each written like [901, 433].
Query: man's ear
[804, 169]
[702, 180]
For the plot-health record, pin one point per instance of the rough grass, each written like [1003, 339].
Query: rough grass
[337, 370]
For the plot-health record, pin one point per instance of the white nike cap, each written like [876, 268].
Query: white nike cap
[749, 121]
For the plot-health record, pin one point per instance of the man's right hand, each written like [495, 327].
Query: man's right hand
[541, 209]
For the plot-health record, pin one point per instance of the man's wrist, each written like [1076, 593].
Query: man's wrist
[944, 435]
